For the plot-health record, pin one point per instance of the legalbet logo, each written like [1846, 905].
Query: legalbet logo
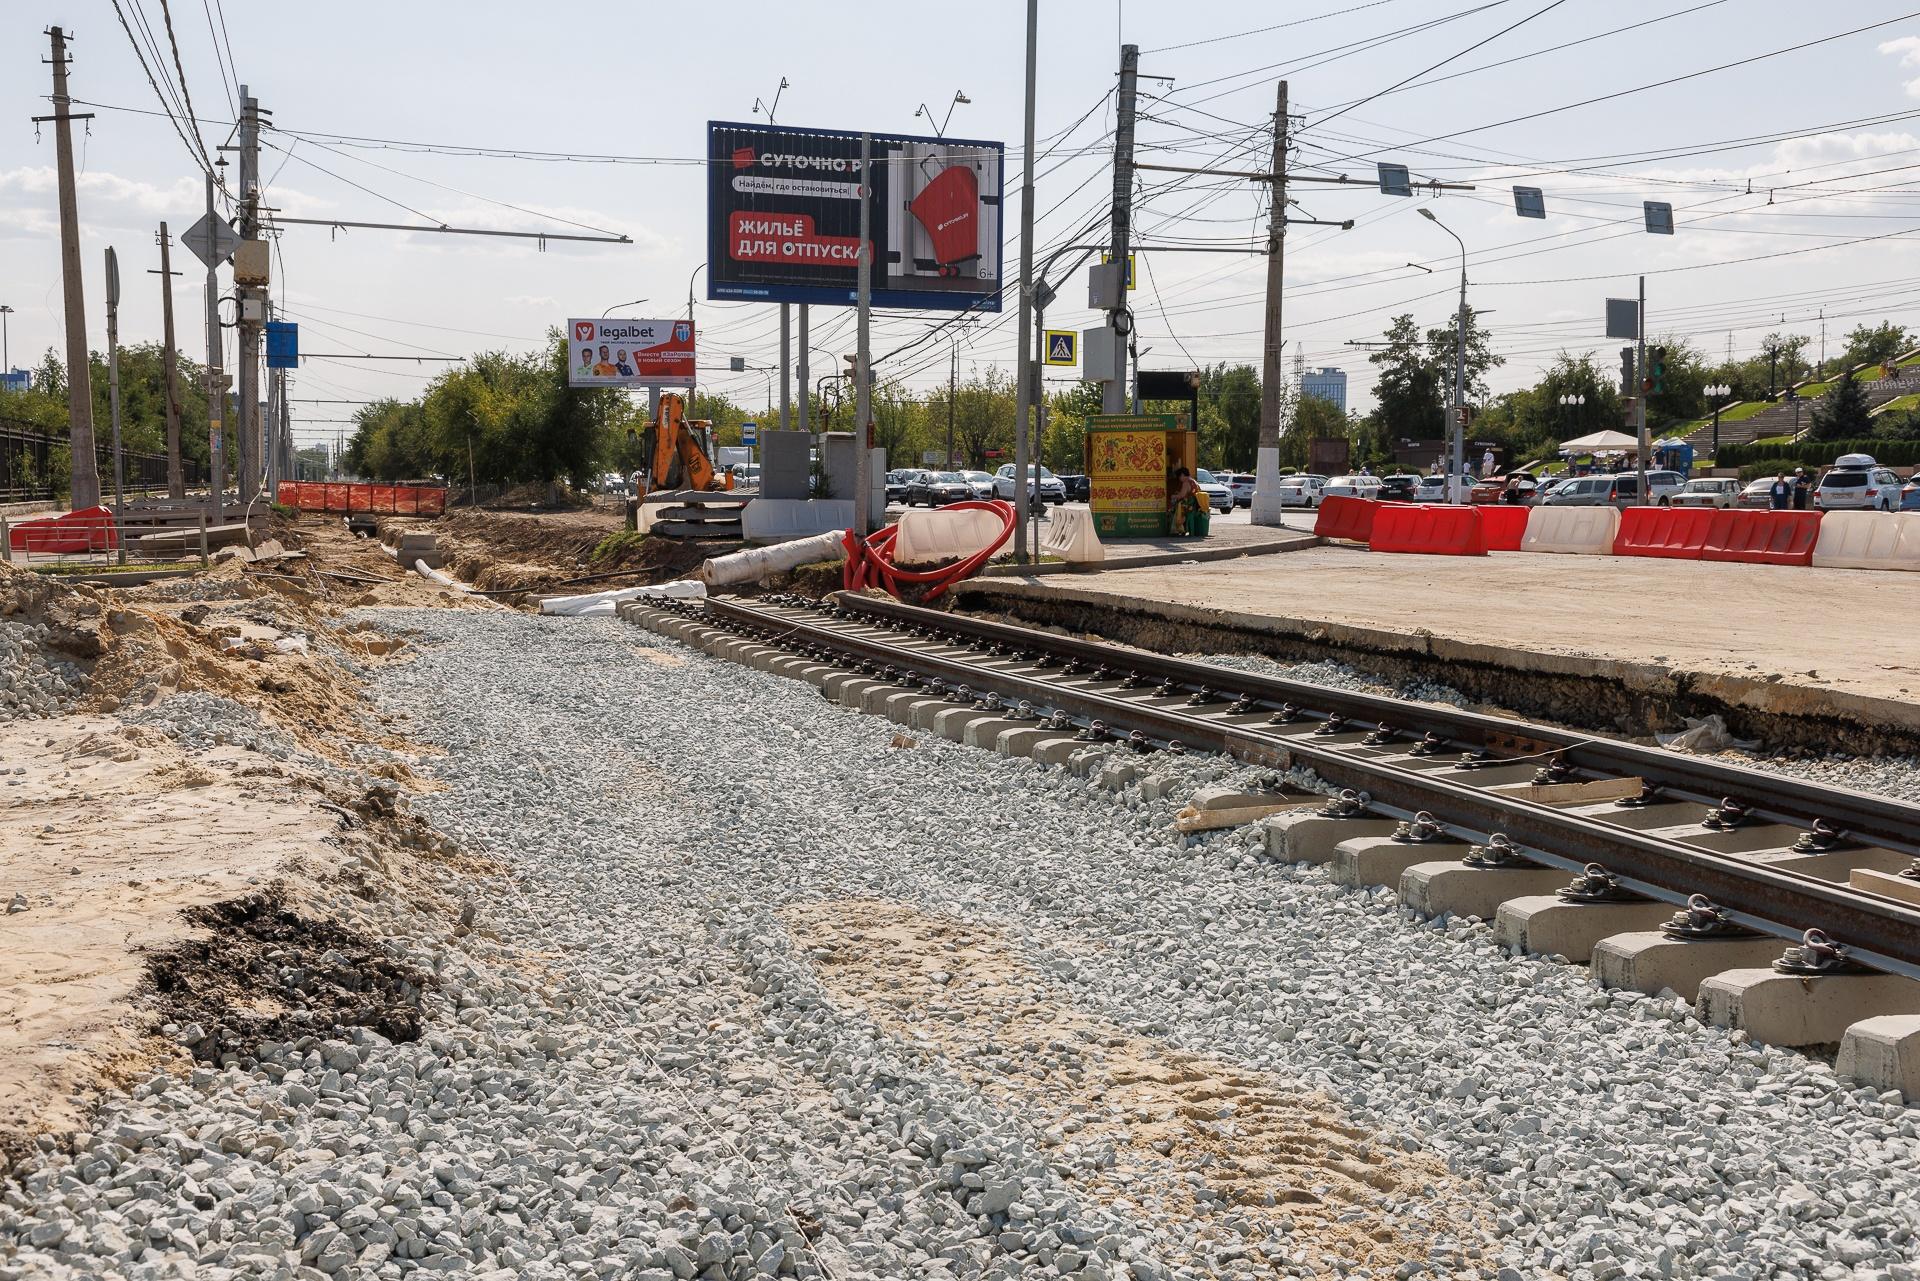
[583, 331]
[626, 333]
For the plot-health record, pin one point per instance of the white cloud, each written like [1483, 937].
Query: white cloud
[531, 300]
[1908, 47]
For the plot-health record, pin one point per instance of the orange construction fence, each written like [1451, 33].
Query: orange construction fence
[1348, 518]
[1503, 526]
[378, 500]
[1675, 533]
[1433, 529]
[1762, 537]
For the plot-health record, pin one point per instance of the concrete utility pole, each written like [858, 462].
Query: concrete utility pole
[1114, 397]
[216, 389]
[1459, 411]
[786, 366]
[1265, 508]
[863, 364]
[113, 380]
[170, 362]
[251, 301]
[1640, 401]
[1024, 368]
[953, 387]
[86, 475]
[6, 347]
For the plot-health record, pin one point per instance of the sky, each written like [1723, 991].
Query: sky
[1793, 176]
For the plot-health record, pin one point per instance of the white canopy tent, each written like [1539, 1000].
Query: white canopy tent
[1600, 442]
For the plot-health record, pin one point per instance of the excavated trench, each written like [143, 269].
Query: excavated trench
[1656, 703]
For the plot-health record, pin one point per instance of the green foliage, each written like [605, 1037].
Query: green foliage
[1893, 453]
[1898, 424]
[1874, 344]
[616, 543]
[1414, 384]
[1842, 412]
[1773, 467]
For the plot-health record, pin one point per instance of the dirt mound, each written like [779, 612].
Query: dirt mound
[265, 974]
[509, 553]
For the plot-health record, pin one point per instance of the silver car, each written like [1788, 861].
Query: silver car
[1847, 487]
[1050, 488]
[1707, 491]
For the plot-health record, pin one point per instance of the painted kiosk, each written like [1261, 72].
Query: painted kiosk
[1130, 462]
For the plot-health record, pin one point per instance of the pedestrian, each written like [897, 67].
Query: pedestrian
[1802, 488]
[1183, 508]
[1781, 494]
[1365, 470]
[1486, 463]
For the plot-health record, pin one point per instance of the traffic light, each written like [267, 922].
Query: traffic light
[1658, 382]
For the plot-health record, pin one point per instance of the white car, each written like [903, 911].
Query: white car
[1242, 483]
[1663, 485]
[980, 482]
[1442, 489]
[1051, 488]
[1301, 491]
[1707, 491]
[1351, 487]
[1219, 496]
[1856, 483]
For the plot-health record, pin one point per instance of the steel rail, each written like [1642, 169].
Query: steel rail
[1879, 820]
[1881, 933]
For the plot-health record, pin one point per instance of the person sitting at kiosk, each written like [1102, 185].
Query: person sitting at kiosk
[1187, 505]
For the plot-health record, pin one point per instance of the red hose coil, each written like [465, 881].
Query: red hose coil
[870, 561]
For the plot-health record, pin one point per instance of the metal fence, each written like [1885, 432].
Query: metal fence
[28, 458]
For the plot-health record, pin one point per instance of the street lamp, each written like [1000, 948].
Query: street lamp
[940, 130]
[634, 303]
[1717, 394]
[1571, 401]
[6, 351]
[1459, 363]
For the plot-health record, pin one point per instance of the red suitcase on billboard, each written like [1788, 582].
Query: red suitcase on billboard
[948, 207]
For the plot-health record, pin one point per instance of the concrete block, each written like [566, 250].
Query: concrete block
[854, 693]
[832, 686]
[927, 709]
[874, 701]
[1088, 758]
[1022, 739]
[952, 723]
[1057, 750]
[1793, 1010]
[1884, 1052]
[1303, 836]
[1116, 774]
[1647, 960]
[1454, 887]
[1381, 860]
[987, 730]
[1545, 924]
[899, 707]
[820, 674]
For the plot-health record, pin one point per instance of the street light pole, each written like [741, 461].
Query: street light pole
[6, 350]
[635, 303]
[1717, 394]
[1459, 367]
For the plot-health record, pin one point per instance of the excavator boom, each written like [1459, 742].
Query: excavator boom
[674, 454]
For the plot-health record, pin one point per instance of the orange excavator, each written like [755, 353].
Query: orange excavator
[679, 451]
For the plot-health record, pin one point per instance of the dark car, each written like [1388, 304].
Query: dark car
[938, 488]
[1079, 488]
[1398, 489]
[899, 481]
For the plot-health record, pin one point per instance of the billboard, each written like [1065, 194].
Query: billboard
[629, 353]
[783, 218]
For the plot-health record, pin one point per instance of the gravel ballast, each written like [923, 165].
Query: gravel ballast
[776, 990]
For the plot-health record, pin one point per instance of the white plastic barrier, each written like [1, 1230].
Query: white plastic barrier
[937, 536]
[1071, 537]
[1574, 531]
[1868, 540]
[600, 604]
[755, 563]
[649, 512]
[774, 520]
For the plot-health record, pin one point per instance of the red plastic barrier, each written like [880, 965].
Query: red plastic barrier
[1675, 533]
[1342, 517]
[88, 530]
[433, 502]
[1503, 525]
[1436, 529]
[1762, 537]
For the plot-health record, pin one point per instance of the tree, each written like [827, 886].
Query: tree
[1406, 391]
[1841, 414]
[1781, 362]
[1231, 438]
[1874, 344]
[1313, 417]
[1684, 396]
[1441, 352]
[983, 416]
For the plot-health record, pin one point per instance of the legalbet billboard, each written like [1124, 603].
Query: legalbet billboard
[783, 218]
[629, 353]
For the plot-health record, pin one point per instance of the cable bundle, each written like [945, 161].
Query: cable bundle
[870, 561]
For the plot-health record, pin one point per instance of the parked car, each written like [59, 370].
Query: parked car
[1620, 490]
[1494, 488]
[1442, 489]
[1219, 496]
[1758, 493]
[1050, 490]
[1301, 491]
[1707, 491]
[1910, 494]
[1398, 488]
[1351, 487]
[980, 482]
[900, 480]
[1079, 488]
[938, 488]
[1663, 485]
[1862, 485]
[1242, 483]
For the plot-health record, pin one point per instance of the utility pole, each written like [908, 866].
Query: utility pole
[953, 387]
[216, 389]
[800, 376]
[1265, 508]
[85, 489]
[170, 362]
[786, 366]
[1114, 400]
[251, 300]
[6, 348]
[113, 380]
[862, 366]
[1640, 402]
[1025, 369]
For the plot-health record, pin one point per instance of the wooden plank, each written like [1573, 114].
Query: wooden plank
[1192, 819]
[1598, 789]
[1885, 884]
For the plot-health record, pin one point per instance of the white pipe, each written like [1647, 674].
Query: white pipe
[600, 604]
[756, 562]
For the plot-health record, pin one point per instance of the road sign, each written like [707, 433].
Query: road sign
[1530, 202]
[211, 240]
[749, 433]
[1623, 318]
[1659, 216]
[1062, 347]
[283, 345]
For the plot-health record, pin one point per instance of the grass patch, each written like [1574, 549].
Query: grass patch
[616, 544]
[1899, 403]
[1744, 411]
[78, 568]
[1775, 440]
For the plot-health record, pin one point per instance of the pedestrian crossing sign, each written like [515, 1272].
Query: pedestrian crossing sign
[1061, 347]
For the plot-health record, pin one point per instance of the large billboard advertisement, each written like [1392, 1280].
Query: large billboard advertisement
[629, 353]
[783, 218]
